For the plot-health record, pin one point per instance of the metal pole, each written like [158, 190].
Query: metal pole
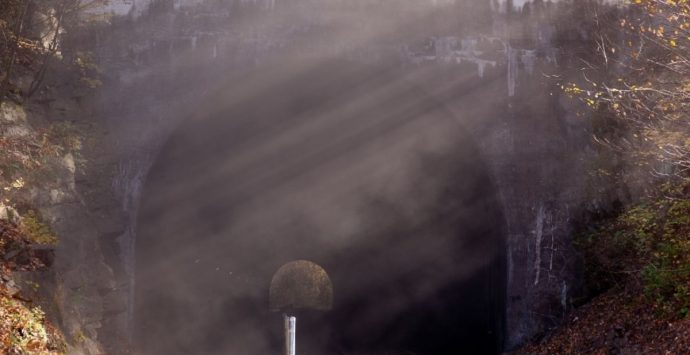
[290, 334]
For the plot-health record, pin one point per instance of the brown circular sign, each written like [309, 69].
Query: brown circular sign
[301, 284]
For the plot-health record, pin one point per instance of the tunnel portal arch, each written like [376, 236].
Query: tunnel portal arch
[350, 166]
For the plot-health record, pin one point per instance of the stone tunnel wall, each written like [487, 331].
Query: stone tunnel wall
[161, 58]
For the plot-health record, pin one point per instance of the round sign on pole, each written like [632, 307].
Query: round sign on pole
[301, 284]
[297, 285]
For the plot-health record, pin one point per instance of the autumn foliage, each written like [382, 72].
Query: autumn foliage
[640, 80]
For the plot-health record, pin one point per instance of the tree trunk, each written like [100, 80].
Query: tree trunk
[52, 48]
[4, 86]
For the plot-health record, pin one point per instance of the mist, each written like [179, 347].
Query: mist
[364, 136]
[385, 191]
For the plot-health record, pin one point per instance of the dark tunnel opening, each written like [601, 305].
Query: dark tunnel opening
[352, 168]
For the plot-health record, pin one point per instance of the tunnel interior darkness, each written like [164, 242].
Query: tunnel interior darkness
[349, 166]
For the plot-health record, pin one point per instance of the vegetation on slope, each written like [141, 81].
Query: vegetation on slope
[636, 260]
[23, 327]
[648, 244]
[40, 64]
[637, 266]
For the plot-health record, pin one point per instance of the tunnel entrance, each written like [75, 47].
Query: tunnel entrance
[350, 167]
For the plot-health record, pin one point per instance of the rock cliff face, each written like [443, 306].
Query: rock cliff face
[169, 63]
[73, 289]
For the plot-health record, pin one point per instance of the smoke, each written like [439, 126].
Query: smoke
[352, 167]
[317, 130]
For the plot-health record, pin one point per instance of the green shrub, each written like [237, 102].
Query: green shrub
[648, 242]
[36, 231]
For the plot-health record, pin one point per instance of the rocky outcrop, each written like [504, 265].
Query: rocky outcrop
[72, 290]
